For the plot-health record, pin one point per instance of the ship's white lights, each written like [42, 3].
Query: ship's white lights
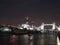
[31, 28]
[21, 28]
[25, 26]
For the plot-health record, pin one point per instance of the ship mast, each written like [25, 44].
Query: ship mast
[27, 20]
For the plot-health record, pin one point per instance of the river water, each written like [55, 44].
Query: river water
[31, 39]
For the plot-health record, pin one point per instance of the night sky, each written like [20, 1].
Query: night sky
[15, 11]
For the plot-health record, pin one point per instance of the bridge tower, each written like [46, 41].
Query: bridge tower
[53, 26]
[42, 28]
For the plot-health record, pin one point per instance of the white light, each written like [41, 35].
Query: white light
[6, 29]
[21, 28]
[38, 29]
[31, 28]
[59, 28]
[58, 42]
[26, 26]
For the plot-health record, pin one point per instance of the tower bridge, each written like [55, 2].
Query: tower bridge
[43, 25]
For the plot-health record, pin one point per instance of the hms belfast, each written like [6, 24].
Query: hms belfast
[20, 29]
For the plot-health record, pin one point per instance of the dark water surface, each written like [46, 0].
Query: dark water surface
[32, 39]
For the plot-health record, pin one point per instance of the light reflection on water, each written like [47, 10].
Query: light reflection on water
[58, 41]
[31, 39]
[13, 39]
